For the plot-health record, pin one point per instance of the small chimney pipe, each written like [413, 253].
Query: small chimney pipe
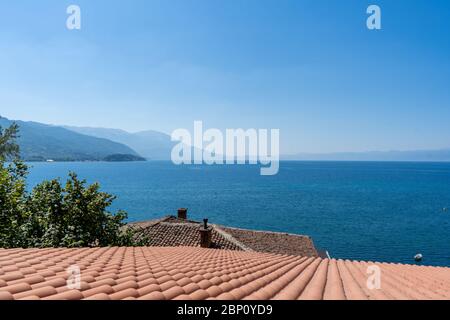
[205, 235]
[182, 213]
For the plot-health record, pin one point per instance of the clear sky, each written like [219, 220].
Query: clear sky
[308, 67]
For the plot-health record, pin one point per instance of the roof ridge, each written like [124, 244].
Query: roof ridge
[184, 224]
[271, 232]
[232, 239]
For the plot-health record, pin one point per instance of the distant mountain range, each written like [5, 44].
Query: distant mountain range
[152, 145]
[42, 142]
[418, 155]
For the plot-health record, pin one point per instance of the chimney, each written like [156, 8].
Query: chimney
[205, 235]
[182, 213]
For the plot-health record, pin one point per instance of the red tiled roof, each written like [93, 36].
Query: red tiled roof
[196, 273]
[273, 242]
[172, 232]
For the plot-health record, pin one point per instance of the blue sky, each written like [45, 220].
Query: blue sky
[310, 68]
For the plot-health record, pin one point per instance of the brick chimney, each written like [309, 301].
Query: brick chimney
[205, 235]
[182, 213]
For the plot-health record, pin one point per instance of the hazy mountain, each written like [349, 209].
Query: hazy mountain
[156, 145]
[40, 142]
[152, 145]
[419, 155]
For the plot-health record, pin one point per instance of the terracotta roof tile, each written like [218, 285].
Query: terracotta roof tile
[5, 295]
[66, 295]
[155, 295]
[165, 273]
[99, 296]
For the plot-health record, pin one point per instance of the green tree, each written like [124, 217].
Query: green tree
[53, 215]
[8, 145]
[74, 215]
[12, 203]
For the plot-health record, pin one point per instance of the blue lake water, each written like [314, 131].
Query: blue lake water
[357, 210]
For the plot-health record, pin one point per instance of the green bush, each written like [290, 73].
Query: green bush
[12, 203]
[52, 214]
[8, 145]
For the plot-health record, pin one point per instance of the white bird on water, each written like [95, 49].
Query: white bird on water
[418, 257]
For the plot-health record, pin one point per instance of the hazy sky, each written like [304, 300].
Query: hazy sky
[310, 68]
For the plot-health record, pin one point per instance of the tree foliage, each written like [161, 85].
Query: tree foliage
[52, 214]
[8, 146]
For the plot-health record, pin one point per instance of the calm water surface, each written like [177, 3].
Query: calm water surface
[355, 210]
